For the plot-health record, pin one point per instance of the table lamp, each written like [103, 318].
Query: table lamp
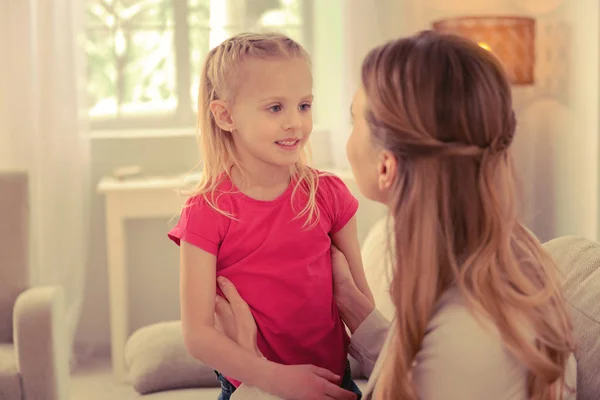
[510, 38]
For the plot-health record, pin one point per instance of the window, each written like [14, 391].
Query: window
[144, 57]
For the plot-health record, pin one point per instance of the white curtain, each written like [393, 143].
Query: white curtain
[42, 129]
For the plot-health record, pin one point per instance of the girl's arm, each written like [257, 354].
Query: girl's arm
[368, 326]
[202, 340]
[346, 240]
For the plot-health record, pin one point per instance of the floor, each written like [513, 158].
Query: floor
[94, 381]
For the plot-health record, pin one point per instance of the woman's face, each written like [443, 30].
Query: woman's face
[373, 167]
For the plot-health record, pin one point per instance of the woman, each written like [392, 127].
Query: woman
[479, 312]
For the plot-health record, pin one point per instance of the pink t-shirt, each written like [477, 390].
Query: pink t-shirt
[281, 269]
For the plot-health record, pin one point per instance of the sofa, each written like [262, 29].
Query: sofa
[159, 363]
[33, 350]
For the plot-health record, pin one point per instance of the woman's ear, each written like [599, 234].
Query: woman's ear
[387, 168]
[222, 115]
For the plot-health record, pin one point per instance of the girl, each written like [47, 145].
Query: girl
[265, 220]
[479, 313]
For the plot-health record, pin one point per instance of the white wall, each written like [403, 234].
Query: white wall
[343, 40]
[577, 181]
[556, 144]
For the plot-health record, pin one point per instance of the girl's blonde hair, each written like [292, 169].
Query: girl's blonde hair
[450, 125]
[219, 81]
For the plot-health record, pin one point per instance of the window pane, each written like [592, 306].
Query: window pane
[132, 56]
[199, 25]
[131, 66]
[284, 16]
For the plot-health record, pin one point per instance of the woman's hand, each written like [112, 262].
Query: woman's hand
[353, 305]
[303, 382]
[342, 277]
[307, 382]
[234, 318]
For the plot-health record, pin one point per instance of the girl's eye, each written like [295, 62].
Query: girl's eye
[275, 109]
[305, 106]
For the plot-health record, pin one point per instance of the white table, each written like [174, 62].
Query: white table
[151, 197]
[148, 197]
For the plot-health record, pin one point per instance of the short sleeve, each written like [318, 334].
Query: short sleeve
[200, 225]
[341, 205]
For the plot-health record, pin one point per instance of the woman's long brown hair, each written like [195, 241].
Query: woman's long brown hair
[442, 105]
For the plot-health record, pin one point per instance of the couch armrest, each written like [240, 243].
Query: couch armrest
[40, 340]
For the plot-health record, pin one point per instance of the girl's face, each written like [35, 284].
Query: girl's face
[373, 167]
[271, 117]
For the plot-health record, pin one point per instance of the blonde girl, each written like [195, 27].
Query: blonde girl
[265, 220]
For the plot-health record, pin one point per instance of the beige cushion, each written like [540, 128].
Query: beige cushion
[10, 381]
[578, 260]
[158, 360]
[13, 246]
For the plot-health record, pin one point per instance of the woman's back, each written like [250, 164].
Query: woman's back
[435, 114]
[464, 357]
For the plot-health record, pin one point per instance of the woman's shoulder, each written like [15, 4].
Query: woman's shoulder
[455, 328]
[463, 356]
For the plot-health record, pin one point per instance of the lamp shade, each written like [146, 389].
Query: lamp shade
[510, 39]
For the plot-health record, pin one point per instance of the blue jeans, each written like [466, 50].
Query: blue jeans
[227, 388]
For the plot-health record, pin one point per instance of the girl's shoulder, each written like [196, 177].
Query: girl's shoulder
[333, 187]
[335, 198]
[329, 180]
[215, 204]
[324, 184]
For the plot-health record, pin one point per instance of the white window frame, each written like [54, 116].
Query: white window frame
[182, 121]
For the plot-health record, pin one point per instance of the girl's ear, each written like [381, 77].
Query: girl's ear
[222, 115]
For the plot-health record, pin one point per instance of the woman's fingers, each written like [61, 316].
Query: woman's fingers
[228, 289]
[218, 324]
[223, 310]
[334, 250]
[327, 374]
[239, 307]
[335, 392]
[225, 321]
[332, 389]
[341, 270]
[222, 306]
[245, 325]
